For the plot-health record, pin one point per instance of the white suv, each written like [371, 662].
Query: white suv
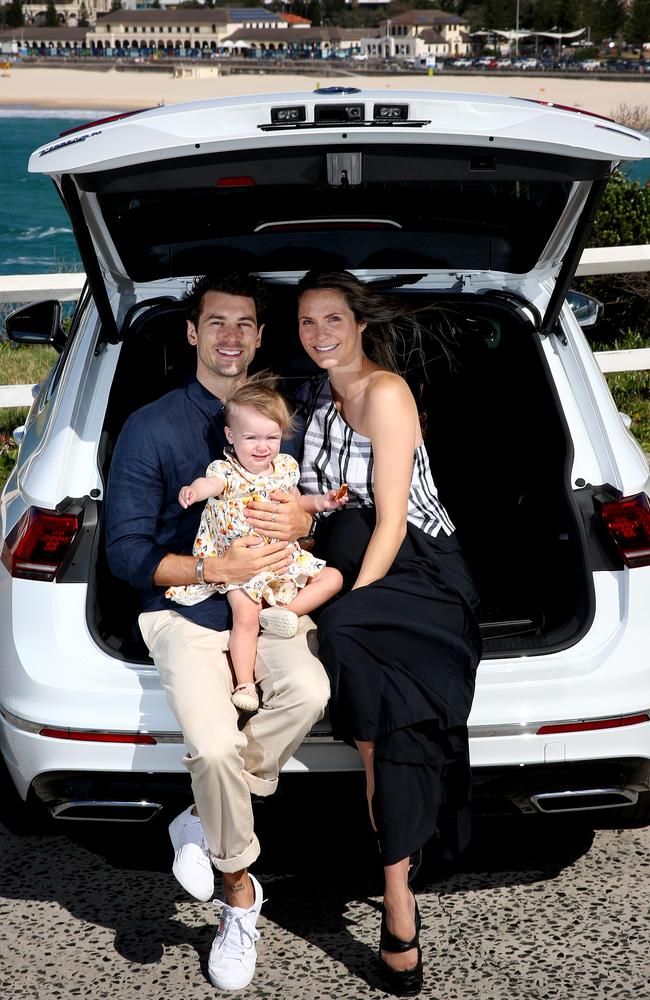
[476, 203]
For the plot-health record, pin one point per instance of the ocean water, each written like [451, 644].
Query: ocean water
[35, 233]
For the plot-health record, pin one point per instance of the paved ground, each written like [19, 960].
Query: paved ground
[535, 912]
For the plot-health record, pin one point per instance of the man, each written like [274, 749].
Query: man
[162, 447]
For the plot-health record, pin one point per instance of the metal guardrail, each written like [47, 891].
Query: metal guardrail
[67, 287]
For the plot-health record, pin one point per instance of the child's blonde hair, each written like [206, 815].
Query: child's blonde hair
[260, 393]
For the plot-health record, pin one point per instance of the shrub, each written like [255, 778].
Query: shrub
[623, 219]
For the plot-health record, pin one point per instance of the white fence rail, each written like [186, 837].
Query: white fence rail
[67, 287]
[24, 288]
[613, 260]
[16, 395]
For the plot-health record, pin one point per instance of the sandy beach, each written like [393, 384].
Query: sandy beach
[36, 87]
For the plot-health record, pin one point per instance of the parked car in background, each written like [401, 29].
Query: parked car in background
[475, 208]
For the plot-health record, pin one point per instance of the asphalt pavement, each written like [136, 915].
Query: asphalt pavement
[536, 910]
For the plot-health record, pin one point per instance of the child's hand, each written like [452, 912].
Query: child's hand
[187, 496]
[335, 499]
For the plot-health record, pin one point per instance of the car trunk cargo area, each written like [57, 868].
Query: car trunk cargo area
[498, 446]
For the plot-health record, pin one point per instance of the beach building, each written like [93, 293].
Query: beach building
[301, 41]
[421, 34]
[69, 10]
[37, 38]
[183, 28]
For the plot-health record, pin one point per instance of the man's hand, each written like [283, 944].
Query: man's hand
[279, 517]
[245, 558]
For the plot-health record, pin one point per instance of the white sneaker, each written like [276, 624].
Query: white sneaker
[279, 621]
[231, 965]
[192, 866]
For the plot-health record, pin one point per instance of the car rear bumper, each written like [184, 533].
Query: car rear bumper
[580, 787]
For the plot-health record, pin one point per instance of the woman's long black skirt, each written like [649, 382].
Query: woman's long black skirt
[401, 655]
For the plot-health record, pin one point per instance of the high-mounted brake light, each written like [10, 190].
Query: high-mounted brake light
[591, 724]
[628, 523]
[232, 182]
[104, 121]
[96, 737]
[37, 546]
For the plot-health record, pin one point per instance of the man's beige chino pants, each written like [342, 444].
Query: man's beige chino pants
[227, 764]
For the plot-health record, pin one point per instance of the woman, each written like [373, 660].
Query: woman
[401, 647]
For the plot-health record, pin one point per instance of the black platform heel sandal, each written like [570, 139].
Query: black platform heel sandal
[405, 982]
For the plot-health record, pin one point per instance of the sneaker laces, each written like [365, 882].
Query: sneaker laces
[237, 932]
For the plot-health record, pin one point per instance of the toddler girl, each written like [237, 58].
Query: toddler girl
[256, 417]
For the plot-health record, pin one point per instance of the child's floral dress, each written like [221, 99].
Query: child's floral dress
[222, 521]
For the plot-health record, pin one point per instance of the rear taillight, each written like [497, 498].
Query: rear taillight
[628, 523]
[37, 546]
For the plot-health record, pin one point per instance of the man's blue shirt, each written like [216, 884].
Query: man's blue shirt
[162, 447]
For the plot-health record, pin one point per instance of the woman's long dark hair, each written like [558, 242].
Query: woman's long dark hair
[393, 337]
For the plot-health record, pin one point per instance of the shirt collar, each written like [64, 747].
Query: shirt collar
[209, 405]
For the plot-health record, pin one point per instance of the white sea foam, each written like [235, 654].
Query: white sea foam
[46, 261]
[38, 233]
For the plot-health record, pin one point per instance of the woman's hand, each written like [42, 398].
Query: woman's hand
[281, 516]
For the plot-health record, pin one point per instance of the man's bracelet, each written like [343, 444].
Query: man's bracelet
[199, 570]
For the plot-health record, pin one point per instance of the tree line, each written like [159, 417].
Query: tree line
[606, 19]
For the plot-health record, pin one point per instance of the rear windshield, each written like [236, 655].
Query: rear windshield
[409, 207]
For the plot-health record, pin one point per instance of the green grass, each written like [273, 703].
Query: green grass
[631, 390]
[22, 365]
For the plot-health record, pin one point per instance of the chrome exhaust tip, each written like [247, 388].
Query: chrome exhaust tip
[105, 811]
[584, 800]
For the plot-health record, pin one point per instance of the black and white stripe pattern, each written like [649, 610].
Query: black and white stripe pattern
[333, 453]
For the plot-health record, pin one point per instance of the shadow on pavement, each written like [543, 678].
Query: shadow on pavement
[319, 859]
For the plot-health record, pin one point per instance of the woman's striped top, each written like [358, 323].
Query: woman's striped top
[333, 453]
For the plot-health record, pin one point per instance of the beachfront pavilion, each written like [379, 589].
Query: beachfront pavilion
[423, 33]
[319, 43]
[43, 40]
[180, 29]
